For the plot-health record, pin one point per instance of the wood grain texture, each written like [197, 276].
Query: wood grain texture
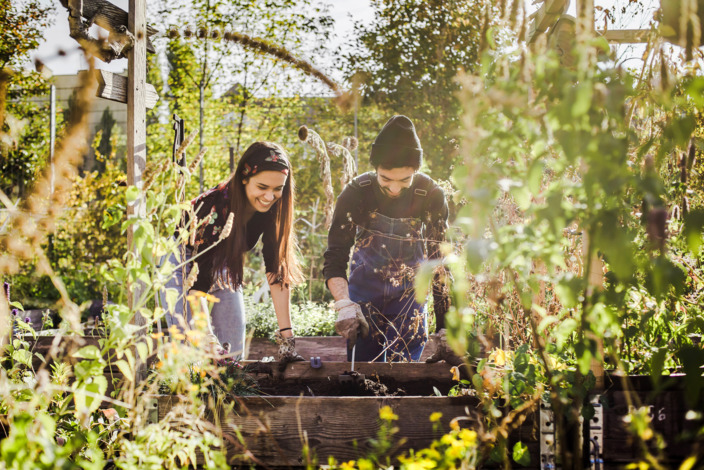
[545, 17]
[136, 140]
[626, 36]
[328, 348]
[400, 372]
[114, 87]
[275, 428]
[108, 16]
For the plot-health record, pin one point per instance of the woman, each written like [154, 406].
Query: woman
[259, 196]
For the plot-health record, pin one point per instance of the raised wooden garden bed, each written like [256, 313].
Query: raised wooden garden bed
[308, 405]
[302, 400]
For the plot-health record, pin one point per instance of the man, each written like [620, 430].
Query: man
[395, 217]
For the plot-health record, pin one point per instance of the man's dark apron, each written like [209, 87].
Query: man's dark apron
[386, 256]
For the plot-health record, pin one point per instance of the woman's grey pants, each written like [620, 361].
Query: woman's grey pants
[227, 316]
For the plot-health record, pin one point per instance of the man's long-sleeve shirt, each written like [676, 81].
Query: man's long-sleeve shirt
[352, 210]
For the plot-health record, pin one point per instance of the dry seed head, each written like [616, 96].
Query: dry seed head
[184, 145]
[194, 164]
[192, 276]
[228, 226]
[350, 143]
[303, 133]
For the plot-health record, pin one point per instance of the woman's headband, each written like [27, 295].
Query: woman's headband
[273, 160]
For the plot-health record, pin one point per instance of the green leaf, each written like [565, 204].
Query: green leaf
[657, 363]
[569, 291]
[142, 351]
[132, 194]
[125, 369]
[88, 352]
[693, 229]
[521, 455]
[564, 331]
[86, 404]
[22, 356]
[582, 99]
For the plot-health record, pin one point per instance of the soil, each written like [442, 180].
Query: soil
[270, 382]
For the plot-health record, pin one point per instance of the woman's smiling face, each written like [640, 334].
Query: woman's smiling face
[264, 189]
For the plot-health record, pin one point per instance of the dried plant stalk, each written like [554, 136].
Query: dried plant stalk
[349, 169]
[313, 139]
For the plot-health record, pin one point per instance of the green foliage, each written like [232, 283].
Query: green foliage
[21, 29]
[25, 152]
[82, 241]
[308, 318]
[407, 60]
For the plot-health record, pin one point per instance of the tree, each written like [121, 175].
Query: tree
[21, 29]
[204, 67]
[407, 60]
[22, 122]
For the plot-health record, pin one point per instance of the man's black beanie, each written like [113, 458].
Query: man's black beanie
[397, 145]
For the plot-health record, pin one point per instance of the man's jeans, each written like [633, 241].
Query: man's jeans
[227, 316]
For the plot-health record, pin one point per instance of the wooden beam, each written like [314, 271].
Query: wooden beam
[399, 372]
[625, 36]
[106, 15]
[114, 87]
[137, 140]
[545, 17]
[327, 348]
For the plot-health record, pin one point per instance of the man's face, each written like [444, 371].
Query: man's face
[394, 181]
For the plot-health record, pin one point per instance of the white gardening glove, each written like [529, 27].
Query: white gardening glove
[350, 321]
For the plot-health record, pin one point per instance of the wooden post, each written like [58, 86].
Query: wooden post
[137, 133]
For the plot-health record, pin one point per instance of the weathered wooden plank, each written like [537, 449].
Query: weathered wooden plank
[545, 17]
[625, 36]
[114, 87]
[137, 145]
[400, 371]
[108, 16]
[274, 428]
[328, 348]
[667, 411]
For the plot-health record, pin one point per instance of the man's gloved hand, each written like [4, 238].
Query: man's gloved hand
[443, 351]
[287, 349]
[350, 321]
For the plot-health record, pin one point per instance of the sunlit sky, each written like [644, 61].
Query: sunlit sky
[345, 13]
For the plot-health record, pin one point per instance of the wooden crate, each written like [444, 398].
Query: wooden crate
[666, 407]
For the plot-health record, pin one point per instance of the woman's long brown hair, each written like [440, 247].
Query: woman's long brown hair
[280, 230]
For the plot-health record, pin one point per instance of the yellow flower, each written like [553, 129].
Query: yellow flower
[365, 464]
[387, 414]
[435, 417]
[499, 356]
[347, 465]
[454, 425]
[468, 436]
[157, 335]
[423, 464]
[455, 373]
[194, 388]
[208, 297]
